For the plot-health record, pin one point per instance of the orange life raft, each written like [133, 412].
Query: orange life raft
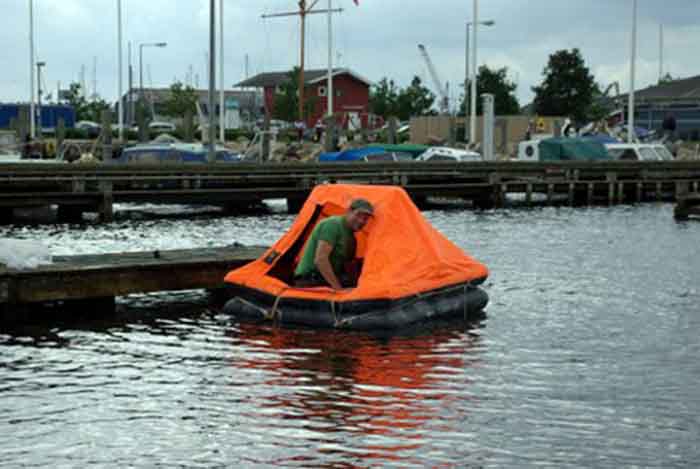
[410, 271]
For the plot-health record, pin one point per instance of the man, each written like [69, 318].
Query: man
[330, 247]
[669, 127]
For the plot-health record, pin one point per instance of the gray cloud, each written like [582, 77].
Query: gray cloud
[377, 39]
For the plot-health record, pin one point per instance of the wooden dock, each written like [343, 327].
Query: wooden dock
[687, 206]
[78, 188]
[103, 276]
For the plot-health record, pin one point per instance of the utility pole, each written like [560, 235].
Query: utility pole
[303, 11]
[32, 117]
[120, 83]
[661, 52]
[222, 112]
[211, 158]
[633, 62]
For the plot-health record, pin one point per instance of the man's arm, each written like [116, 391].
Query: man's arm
[323, 264]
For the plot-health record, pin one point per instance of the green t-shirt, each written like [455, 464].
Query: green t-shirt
[334, 231]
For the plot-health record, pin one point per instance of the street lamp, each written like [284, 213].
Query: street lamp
[141, 46]
[39, 92]
[467, 135]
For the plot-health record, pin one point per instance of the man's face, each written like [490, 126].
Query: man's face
[357, 219]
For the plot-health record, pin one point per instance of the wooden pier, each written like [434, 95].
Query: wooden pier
[78, 188]
[106, 276]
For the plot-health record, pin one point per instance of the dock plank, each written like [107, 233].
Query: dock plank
[117, 274]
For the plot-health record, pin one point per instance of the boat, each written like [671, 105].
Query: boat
[410, 272]
[173, 153]
[563, 149]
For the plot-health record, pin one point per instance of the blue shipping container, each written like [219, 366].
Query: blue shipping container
[50, 113]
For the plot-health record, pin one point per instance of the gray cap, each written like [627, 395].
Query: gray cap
[362, 205]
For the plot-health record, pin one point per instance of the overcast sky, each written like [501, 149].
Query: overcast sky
[377, 39]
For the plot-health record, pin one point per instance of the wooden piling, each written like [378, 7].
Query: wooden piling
[60, 136]
[572, 194]
[188, 125]
[659, 194]
[528, 193]
[639, 192]
[589, 193]
[550, 193]
[106, 135]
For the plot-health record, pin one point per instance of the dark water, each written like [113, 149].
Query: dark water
[589, 357]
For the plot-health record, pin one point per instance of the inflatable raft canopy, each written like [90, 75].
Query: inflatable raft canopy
[410, 271]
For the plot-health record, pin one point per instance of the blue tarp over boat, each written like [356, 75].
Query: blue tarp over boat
[350, 155]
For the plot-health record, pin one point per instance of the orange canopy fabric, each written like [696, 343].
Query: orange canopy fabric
[403, 254]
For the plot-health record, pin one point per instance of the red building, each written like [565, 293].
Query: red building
[350, 105]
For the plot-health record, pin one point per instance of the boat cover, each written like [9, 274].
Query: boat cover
[564, 149]
[403, 255]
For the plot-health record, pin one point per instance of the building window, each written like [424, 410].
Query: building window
[322, 91]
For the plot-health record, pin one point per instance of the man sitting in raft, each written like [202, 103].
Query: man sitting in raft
[330, 247]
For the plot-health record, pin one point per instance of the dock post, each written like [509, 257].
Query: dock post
[680, 211]
[682, 189]
[550, 193]
[60, 136]
[695, 186]
[611, 178]
[528, 193]
[621, 192]
[639, 192]
[188, 126]
[106, 136]
[589, 195]
[501, 199]
[658, 191]
[572, 191]
[107, 205]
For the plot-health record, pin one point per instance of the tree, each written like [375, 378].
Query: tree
[181, 99]
[383, 98]
[495, 82]
[286, 101]
[414, 100]
[568, 87]
[84, 110]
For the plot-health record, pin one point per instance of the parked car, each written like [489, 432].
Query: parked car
[448, 154]
[92, 128]
[161, 127]
[639, 152]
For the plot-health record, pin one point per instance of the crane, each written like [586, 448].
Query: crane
[442, 91]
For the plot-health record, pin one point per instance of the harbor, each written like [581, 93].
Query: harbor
[590, 319]
[349, 233]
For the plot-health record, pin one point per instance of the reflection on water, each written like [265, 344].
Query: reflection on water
[363, 398]
[589, 356]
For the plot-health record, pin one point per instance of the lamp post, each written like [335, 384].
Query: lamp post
[38, 93]
[32, 117]
[141, 46]
[467, 74]
[121, 73]
[633, 62]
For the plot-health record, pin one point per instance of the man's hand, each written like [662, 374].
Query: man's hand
[323, 264]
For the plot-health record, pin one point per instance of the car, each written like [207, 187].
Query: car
[639, 152]
[448, 154]
[161, 127]
[92, 129]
